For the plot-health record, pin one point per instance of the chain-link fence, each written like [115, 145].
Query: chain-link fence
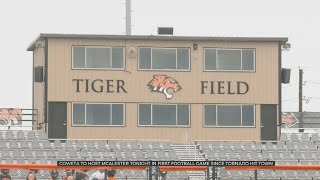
[155, 173]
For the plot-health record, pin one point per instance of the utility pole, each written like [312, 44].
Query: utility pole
[128, 17]
[300, 100]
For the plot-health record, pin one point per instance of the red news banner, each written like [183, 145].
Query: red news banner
[166, 163]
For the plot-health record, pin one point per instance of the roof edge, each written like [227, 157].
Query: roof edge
[32, 45]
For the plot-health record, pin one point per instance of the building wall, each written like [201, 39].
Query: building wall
[38, 94]
[263, 86]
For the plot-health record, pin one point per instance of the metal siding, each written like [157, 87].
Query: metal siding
[262, 90]
[38, 88]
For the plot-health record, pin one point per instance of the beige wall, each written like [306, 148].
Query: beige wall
[263, 88]
[38, 102]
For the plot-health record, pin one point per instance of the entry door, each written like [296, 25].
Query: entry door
[269, 118]
[57, 120]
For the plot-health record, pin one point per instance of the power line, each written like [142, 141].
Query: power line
[312, 82]
[290, 99]
[290, 85]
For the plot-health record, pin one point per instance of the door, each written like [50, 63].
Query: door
[57, 120]
[269, 118]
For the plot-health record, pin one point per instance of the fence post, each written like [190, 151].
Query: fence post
[105, 174]
[149, 172]
[255, 174]
[213, 172]
[208, 173]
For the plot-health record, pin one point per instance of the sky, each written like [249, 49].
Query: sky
[22, 21]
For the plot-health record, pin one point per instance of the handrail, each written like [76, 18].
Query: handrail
[142, 140]
[275, 167]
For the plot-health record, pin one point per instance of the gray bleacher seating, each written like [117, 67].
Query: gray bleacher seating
[145, 145]
[123, 145]
[258, 146]
[57, 144]
[35, 145]
[166, 145]
[68, 145]
[46, 145]
[80, 144]
[281, 146]
[9, 135]
[247, 146]
[101, 145]
[269, 146]
[20, 135]
[134, 145]
[237, 146]
[315, 138]
[16, 153]
[31, 135]
[73, 154]
[28, 154]
[226, 146]
[283, 137]
[90, 145]
[51, 154]
[112, 145]
[305, 138]
[291, 146]
[156, 145]
[84, 153]
[24, 145]
[1, 136]
[5, 153]
[294, 137]
[43, 135]
[61, 155]
[39, 154]
[13, 145]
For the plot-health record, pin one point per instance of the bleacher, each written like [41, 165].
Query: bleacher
[292, 149]
[34, 146]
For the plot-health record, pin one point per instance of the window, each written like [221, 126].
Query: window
[229, 115]
[164, 115]
[98, 57]
[229, 59]
[164, 59]
[98, 114]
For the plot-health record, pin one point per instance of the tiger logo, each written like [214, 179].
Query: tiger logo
[289, 120]
[165, 85]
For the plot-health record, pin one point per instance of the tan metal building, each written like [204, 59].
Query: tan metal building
[157, 87]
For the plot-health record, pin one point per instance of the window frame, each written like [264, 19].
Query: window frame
[85, 60]
[217, 126]
[217, 70]
[172, 126]
[176, 49]
[85, 115]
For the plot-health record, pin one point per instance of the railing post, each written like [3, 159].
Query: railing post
[213, 172]
[255, 174]
[149, 172]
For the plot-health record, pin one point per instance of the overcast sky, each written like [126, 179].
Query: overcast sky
[22, 21]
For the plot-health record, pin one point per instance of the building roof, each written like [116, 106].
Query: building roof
[282, 40]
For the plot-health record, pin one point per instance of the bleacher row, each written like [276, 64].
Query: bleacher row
[292, 149]
[32, 146]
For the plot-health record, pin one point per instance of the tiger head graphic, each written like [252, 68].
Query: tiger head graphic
[164, 84]
[289, 119]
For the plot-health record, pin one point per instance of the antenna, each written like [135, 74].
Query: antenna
[128, 17]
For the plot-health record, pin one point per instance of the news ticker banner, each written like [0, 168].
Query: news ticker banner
[166, 163]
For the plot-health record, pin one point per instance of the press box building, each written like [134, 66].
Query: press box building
[157, 87]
